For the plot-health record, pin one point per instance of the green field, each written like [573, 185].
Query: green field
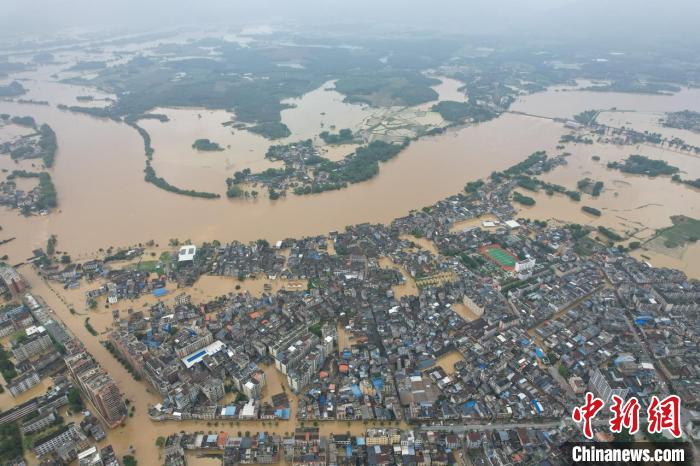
[152, 266]
[501, 256]
[673, 241]
[683, 231]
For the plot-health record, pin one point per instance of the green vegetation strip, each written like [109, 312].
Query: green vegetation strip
[153, 178]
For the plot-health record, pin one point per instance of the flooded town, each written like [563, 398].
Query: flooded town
[234, 246]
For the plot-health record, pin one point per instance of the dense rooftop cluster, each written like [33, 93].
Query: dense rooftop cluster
[377, 446]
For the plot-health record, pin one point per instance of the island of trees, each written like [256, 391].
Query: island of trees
[13, 89]
[271, 130]
[522, 199]
[693, 183]
[459, 112]
[206, 145]
[609, 233]
[344, 136]
[591, 210]
[591, 187]
[587, 117]
[641, 165]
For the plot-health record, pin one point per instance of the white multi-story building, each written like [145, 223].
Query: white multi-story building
[605, 388]
[38, 341]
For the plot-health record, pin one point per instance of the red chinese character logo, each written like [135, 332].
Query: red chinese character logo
[665, 415]
[624, 415]
[586, 413]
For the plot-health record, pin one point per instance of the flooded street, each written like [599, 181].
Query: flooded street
[408, 287]
[139, 432]
[466, 312]
[7, 401]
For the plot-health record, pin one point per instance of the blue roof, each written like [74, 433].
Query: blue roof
[356, 391]
[537, 406]
[158, 292]
[196, 355]
[230, 411]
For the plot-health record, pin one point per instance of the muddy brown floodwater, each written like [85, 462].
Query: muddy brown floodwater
[408, 287]
[632, 205]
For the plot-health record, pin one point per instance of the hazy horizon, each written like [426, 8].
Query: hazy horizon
[624, 21]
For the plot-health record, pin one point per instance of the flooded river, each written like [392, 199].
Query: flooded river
[99, 177]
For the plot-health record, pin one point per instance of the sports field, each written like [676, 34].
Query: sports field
[499, 256]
